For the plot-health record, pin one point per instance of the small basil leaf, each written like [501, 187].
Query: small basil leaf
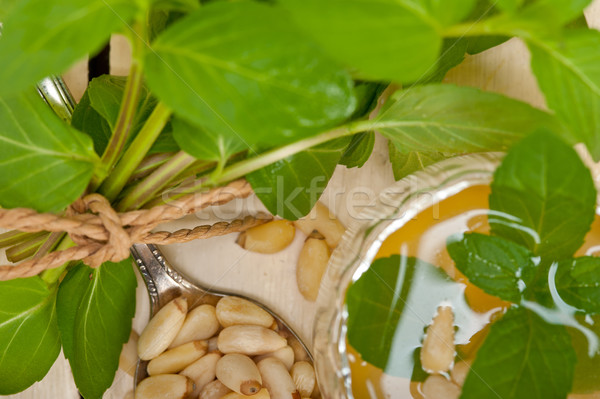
[55, 35]
[498, 266]
[523, 357]
[367, 94]
[165, 141]
[45, 164]
[483, 9]
[578, 283]
[291, 187]
[567, 73]
[263, 81]
[390, 305]
[95, 308]
[452, 119]
[359, 150]
[87, 120]
[452, 53]
[205, 144]
[405, 164]
[29, 338]
[509, 5]
[374, 42]
[544, 184]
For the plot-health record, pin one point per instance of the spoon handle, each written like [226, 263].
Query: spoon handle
[162, 281]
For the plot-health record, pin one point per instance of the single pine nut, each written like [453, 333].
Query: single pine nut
[304, 377]
[263, 394]
[166, 386]
[200, 323]
[249, 340]
[285, 354]
[311, 266]
[268, 238]
[437, 387]
[232, 311]
[214, 390]
[437, 353]
[459, 372]
[316, 392]
[129, 355]
[162, 329]
[324, 222]
[299, 351]
[202, 371]
[277, 380]
[239, 373]
[176, 359]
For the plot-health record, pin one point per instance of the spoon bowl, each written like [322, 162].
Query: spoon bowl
[164, 284]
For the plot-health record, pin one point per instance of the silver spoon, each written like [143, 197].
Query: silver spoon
[165, 284]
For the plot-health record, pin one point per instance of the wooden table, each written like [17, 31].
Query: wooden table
[222, 264]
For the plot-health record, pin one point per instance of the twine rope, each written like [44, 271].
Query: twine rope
[101, 234]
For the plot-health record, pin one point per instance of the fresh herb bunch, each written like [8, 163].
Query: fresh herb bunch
[219, 90]
[542, 204]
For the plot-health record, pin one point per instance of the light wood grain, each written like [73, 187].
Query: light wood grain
[220, 264]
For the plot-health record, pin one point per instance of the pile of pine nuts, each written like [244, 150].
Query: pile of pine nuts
[323, 233]
[232, 350]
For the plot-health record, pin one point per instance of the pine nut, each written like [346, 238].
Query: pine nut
[437, 387]
[268, 238]
[299, 351]
[459, 372]
[202, 371]
[324, 222]
[277, 380]
[232, 310]
[263, 394]
[200, 323]
[249, 340]
[165, 386]
[304, 377]
[162, 329]
[437, 353]
[239, 373]
[176, 359]
[214, 390]
[311, 266]
[285, 354]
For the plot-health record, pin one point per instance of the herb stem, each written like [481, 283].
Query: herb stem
[156, 181]
[15, 237]
[51, 276]
[149, 164]
[25, 249]
[136, 151]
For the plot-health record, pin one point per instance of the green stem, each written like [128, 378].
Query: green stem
[249, 165]
[154, 183]
[51, 242]
[51, 276]
[149, 164]
[15, 237]
[136, 151]
[25, 249]
[127, 113]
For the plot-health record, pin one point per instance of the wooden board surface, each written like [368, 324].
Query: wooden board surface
[271, 278]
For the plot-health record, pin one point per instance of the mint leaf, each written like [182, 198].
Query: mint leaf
[44, 163]
[390, 305]
[204, 144]
[543, 183]
[95, 308]
[405, 164]
[375, 41]
[578, 283]
[87, 120]
[498, 266]
[263, 81]
[567, 73]
[523, 357]
[291, 187]
[452, 119]
[359, 150]
[55, 35]
[29, 339]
